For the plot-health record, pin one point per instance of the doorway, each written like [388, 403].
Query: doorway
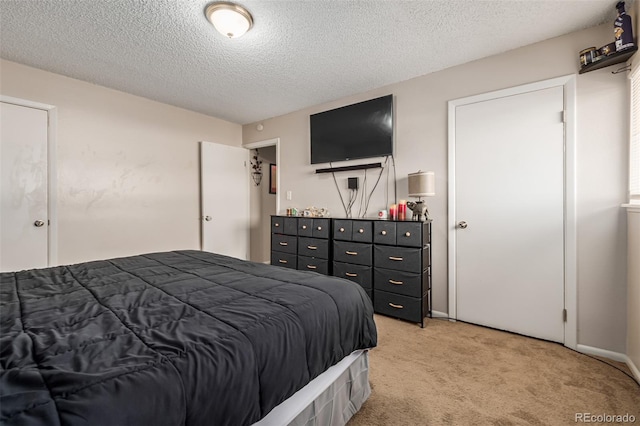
[28, 231]
[512, 210]
[264, 202]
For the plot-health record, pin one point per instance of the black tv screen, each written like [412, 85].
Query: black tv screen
[361, 130]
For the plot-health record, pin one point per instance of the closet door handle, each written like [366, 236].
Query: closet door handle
[393, 305]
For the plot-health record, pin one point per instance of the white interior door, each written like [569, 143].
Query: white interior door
[225, 199]
[23, 188]
[509, 211]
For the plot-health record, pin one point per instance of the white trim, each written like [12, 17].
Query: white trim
[632, 207]
[570, 250]
[265, 143]
[634, 369]
[590, 350]
[52, 181]
[438, 314]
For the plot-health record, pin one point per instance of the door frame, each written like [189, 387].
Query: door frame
[568, 82]
[52, 183]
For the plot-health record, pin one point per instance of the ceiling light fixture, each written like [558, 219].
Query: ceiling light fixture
[229, 19]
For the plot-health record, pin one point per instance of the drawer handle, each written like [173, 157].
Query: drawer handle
[312, 247]
[398, 259]
[276, 224]
[393, 305]
[284, 244]
[349, 274]
[282, 261]
[407, 234]
[304, 226]
[396, 282]
[384, 232]
[341, 229]
[319, 228]
[352, 253]
[312, 267]
[361, 230]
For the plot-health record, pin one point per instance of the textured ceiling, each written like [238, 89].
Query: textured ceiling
[299, 53]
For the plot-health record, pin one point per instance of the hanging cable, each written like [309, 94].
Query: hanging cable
[339, 192]
[395, 181]
[366, 206]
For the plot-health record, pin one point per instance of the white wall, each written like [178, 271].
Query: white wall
[633, 291]
[128, 167]
[421, 143]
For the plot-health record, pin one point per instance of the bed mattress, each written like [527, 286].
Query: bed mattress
[184, 337]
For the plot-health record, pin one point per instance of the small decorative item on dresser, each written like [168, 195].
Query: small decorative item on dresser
[421, 184]
[382, 214]
[393, 212]
[402, 210]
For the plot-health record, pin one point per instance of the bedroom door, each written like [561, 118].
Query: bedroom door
[24, 220]
[225, 199]
[509, 213]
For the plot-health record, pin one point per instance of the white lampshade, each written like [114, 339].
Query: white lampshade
[422, 184]
[229, 19]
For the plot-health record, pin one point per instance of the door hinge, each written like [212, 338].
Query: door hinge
[564, 116]
[564, 315]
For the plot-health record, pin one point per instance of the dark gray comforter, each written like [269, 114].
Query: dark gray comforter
[183, 337]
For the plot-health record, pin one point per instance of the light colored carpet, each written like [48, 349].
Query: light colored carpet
[461, 374]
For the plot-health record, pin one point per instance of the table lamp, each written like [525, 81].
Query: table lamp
[421, 184]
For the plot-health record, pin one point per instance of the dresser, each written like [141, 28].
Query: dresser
[301, 243]
[402, 269]
[391, 260]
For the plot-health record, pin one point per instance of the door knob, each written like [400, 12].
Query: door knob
[38, 223]
[462, 224]
[208, 218]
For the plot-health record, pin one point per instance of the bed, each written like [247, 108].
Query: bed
[175, 338]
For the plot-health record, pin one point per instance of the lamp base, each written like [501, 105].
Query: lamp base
[419, 210]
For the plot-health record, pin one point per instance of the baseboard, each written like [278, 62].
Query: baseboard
[438, 314]
[634, 369]
[616, 356]
[590, 350]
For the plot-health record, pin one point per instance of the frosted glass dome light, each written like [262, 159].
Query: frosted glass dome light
[229, 19]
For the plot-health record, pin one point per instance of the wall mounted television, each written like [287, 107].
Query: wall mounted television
[361, 130]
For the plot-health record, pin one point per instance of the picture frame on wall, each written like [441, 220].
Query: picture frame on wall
[272, 179]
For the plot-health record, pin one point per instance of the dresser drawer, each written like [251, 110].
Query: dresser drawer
[320, 266]
[384, 232]
[348, 252]
[313, 247]
[395, 305]
[287, 260]
[305, 226]
[398, 258]
[321, 228]
[409, 234]
[399, 282]
[284, 243]
[284, 225]
[342, 229]
[357, 273]
[362, 231]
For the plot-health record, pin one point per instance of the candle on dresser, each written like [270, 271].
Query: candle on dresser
[393, 212]
[402, 210]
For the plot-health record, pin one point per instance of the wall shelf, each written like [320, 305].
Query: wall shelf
[614, 58]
